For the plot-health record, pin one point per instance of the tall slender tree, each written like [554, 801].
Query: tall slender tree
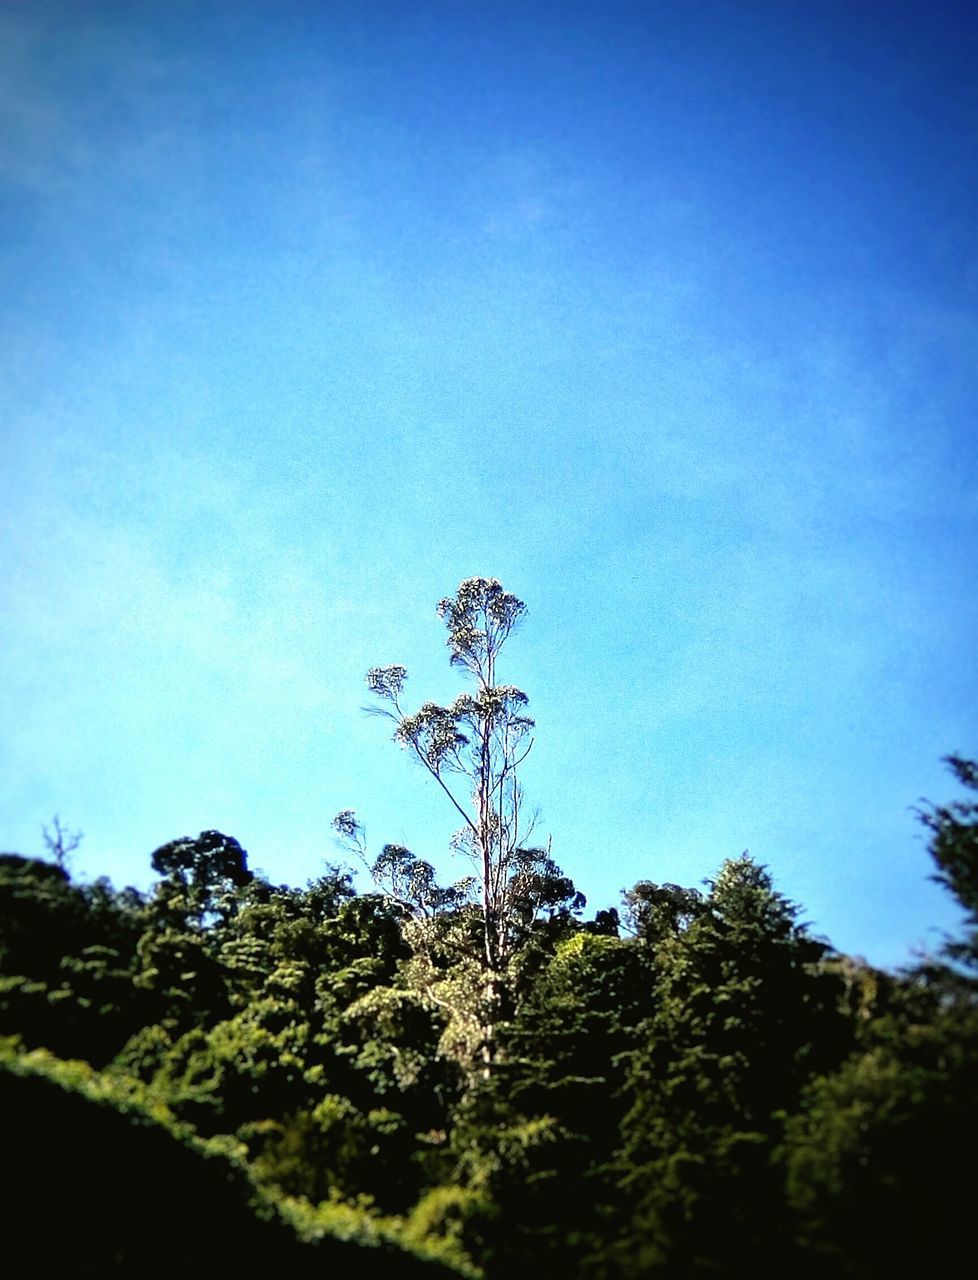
[477, 743]
[474, 748]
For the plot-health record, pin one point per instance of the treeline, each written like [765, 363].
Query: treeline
[476, 1077]
[695, 1089]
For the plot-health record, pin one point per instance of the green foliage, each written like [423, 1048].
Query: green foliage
[744, 1013]
[212, 864]
[445, 1223]
[714, 1093]
[329, 1150]
[66, 959]
[108, 1184]
[654, 912]
[954, 848]
[881, 1153]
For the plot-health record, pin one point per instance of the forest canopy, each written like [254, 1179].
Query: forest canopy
[477, 1078]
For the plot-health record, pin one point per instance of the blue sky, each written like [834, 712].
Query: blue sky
[663, 314]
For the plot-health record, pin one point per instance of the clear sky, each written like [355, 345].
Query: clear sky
[664, 314]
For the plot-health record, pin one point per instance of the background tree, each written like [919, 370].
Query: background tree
[880, 1156]
[744, 1013]
[66, 960]
[60, 842]
[954, 848]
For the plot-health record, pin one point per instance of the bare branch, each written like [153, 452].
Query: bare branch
[61, 842]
